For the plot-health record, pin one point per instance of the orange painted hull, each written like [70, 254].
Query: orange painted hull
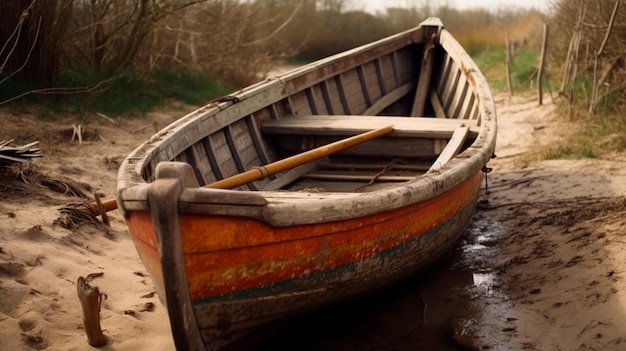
[235, 261]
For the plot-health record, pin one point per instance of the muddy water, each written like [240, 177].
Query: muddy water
[439, 310]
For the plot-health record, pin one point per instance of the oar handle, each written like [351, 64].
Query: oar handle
[107, 205]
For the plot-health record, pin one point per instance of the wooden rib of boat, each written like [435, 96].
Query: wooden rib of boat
[227, 258]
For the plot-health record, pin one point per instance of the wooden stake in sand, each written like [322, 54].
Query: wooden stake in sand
[90, 302]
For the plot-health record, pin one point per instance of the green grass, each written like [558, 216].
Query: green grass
[492, 63]
[585, 136]
[121, 94]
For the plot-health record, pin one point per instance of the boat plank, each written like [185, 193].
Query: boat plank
[380, 77]
[460, 96]
[365, 85]
[423, 82]
[334, 95]
[223, 155]
[372, 79]
[388, 99]
[259, 145]
[449, 85]
[382, 147]
[341, 87]
[359, 176]
[354, 91]
[299, 104]
[437, 106]
[417, 127]
[464, 113]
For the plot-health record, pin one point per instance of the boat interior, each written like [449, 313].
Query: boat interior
[415, 146]
[329, 101]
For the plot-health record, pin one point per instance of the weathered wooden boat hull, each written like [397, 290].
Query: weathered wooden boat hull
[227, 261]
[309, 265]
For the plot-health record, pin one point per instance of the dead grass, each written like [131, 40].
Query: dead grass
[583, 136]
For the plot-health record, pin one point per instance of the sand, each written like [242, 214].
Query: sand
[40, 261]
[549, 239]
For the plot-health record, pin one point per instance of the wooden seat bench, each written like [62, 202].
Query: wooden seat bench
[343, 125]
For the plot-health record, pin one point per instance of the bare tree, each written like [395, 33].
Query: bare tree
[237, 42]
[589, 39]
[31, 33]
[115, 31]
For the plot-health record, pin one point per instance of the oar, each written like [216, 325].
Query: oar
[261, 172]
[290, 162]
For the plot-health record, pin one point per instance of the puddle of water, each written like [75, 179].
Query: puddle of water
[473, 248]
[484, 280]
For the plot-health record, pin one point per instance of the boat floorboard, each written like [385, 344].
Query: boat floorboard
[353, 176]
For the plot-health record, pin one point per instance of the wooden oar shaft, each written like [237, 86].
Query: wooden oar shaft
[276, 167]
[299, 159]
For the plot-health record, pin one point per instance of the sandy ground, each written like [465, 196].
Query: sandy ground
[552, 238]
[546, 249]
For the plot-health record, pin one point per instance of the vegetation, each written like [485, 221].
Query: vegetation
[523, 69]
[587, 48]
[118, 56]
[121, 56]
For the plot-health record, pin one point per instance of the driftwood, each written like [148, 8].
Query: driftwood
[102, 115]
[17, 154]
[90, 302]
[77, 133]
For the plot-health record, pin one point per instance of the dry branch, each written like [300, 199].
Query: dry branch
[102, 115]
[596, 83]
[571, 61]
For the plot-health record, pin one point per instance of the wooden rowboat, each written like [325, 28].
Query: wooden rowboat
[334, 179]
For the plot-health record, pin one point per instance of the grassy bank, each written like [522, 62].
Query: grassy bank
[115, 94]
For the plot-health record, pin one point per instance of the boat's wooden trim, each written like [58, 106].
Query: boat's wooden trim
[452, 149]
[389, 99]
[437, 106]
[164, 211]
[426, 71]
[339, 125]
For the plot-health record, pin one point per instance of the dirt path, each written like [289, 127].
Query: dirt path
[541, 267]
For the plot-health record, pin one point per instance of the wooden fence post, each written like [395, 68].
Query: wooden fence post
[542, 60]
[508, 65]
